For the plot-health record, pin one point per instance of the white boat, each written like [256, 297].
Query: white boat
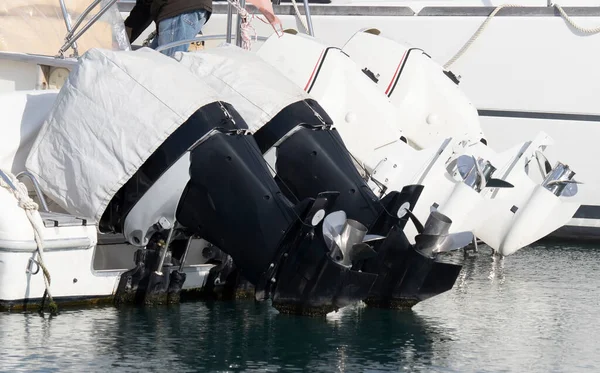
[529, 70]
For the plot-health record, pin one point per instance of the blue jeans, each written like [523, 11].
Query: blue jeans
[181, 27]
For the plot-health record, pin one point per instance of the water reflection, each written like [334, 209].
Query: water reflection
[534, 311]
[219, 336]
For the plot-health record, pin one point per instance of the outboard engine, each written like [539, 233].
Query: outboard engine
[310, 157]
[428, 100]
[384, 84]
[364, 233]
[172, 162]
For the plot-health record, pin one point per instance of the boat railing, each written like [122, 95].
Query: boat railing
[36, 187]
[200, 38]
[72, 35]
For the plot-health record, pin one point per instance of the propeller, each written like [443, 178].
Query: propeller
[347, 239]
[477, 173]
[560, 181]
[435, 238]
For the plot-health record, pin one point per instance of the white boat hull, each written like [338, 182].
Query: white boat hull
[75, 275]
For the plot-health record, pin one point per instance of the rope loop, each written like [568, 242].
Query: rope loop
[21, 194]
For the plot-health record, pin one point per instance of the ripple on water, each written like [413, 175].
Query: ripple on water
[534, 311]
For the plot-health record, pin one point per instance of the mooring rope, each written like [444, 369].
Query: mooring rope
[485, 23]
[31, 209]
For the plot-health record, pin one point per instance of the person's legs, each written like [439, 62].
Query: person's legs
[182, 27]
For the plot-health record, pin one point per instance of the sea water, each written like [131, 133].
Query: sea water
[535, 311]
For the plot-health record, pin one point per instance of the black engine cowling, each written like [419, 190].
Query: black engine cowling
[230, 199]
[311, 158]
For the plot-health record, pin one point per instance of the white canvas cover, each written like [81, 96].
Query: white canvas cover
[114, 111]
[23, 114]
[256, 90]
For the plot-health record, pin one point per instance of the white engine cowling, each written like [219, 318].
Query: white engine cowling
[430, 103]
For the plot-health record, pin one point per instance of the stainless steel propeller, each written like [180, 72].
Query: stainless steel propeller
[477, 173]
[434, 237]
[347, 239]
[560, 181]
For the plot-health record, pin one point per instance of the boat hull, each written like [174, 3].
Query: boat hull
[75, 281]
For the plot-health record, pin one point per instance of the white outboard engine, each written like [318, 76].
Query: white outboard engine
[346, 91]
[432, 107]
[158, 156]
[310, 158]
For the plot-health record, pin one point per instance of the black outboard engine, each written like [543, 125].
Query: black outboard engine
[232, 201]
[311, 158]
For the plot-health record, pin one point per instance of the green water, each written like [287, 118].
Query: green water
[536, 311]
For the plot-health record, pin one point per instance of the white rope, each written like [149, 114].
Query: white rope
[584, 30]
[31, 209]
[246, 27]
[300, 15]
[477, 33]
[248, 31]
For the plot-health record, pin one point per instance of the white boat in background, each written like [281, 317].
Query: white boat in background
[529, 70]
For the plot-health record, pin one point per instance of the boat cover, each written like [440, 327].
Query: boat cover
[23, 114]
[113, 112]
[256, 90]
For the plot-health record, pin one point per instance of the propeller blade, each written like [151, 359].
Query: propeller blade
[361, 251]
[372, 237]
[332, 226]
[554, 182]
[465, 166]
[547, 165]
[336, 253]
[482, 181]
[454, 241]
[498, 183]
[570, 190]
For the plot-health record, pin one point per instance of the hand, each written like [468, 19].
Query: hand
[275, 23]
[266, 8]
